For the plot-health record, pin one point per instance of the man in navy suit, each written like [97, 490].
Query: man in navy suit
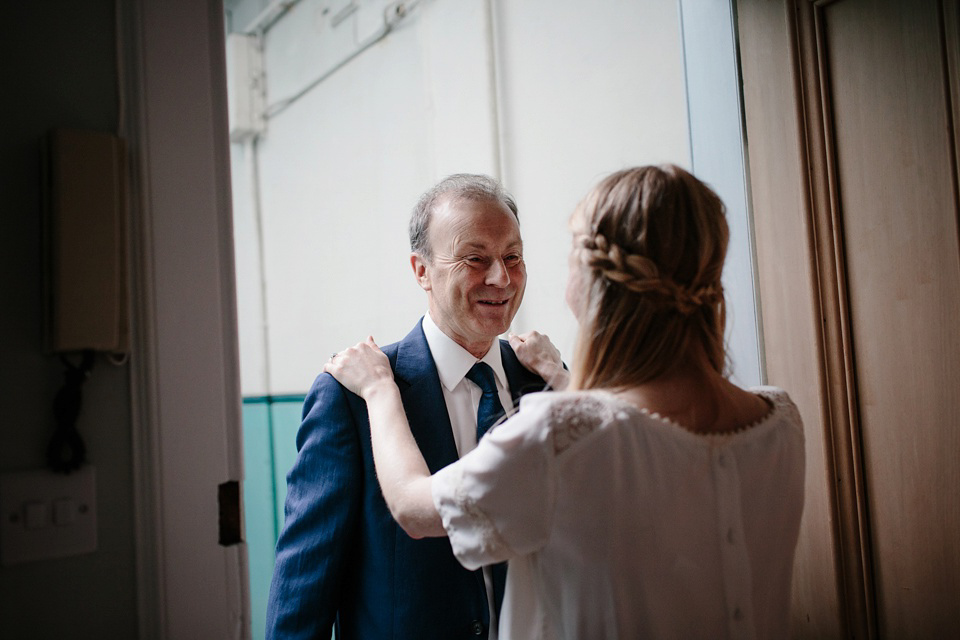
[341, 559]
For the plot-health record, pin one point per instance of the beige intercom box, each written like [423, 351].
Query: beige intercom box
[85, 242]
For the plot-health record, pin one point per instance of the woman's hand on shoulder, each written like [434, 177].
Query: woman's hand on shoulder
[538, 354]
[362, 368]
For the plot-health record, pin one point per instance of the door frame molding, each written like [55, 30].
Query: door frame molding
[185, 381]
[797, 221]
[841, 416]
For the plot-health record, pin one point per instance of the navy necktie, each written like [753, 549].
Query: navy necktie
[490, 408]
[489, 412]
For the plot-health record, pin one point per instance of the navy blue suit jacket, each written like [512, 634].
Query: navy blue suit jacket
[341, 558]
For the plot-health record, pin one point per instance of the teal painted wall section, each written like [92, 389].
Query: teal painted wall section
[285, 416]
[269, 448]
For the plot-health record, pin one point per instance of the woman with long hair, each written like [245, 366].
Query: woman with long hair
[651, 498]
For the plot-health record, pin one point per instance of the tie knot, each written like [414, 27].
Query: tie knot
[482, 375]
[489, 408]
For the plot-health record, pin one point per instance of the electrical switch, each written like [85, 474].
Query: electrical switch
[64, 512]
[47, 515]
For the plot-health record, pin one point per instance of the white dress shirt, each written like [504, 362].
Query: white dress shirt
[462, 398]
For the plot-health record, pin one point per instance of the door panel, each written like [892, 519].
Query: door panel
[789, 296]
[897, 200]
[851, 108]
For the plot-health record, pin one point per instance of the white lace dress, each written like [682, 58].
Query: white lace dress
[620, 524]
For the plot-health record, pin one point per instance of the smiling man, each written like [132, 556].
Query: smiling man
[341, 559]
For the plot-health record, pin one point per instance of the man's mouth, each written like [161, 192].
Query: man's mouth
[493, 303]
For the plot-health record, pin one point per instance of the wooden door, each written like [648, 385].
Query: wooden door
[852, 109]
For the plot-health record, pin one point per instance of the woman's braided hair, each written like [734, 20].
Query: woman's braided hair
[650, 242]
[639, 274]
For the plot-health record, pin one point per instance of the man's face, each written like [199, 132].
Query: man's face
[476, 276]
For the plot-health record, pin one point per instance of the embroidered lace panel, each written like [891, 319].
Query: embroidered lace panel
[573, 419]
[491, 541]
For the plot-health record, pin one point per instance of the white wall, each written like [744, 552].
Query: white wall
[587, 89]
[561, 94]
[337, 171]
[250, 282]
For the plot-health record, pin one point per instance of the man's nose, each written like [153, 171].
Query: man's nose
[498, 275]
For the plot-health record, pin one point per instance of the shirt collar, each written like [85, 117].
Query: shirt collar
[453, 361]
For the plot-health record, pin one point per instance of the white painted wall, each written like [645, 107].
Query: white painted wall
[587, 89]
[337, 171]
[559, 95]
[249, 267]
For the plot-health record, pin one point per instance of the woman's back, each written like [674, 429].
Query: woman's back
[636, 527]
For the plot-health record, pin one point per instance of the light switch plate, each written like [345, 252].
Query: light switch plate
[45, 494]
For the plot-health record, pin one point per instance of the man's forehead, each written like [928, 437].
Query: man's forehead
[453, 204]
[471, 244]
[463, 215]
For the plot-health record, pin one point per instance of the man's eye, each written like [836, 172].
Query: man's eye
[512, 259]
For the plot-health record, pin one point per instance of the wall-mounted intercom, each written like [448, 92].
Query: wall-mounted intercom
[85, 242]
[85, 270]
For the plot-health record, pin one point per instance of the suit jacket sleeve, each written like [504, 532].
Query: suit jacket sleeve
[321, 514]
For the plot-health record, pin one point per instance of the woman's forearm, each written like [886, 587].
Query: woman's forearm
[404, 478]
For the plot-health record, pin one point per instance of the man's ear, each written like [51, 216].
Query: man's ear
[420, 271]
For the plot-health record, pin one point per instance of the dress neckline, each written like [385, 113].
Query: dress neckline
[773, 396]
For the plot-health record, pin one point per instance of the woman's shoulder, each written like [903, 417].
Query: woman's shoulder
[772, 393]
[564, 405]
[781, 421]
[783, 407]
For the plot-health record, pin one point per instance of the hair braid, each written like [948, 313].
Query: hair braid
[651, 242]
[640, 274]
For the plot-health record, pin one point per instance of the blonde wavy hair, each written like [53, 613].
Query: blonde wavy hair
[650, 243]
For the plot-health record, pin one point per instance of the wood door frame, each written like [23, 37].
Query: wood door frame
[797, 200]
[840, 407]
[813, 301]
[950, 15]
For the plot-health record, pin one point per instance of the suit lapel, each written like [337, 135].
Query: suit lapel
[422, 396]
[423, 401]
